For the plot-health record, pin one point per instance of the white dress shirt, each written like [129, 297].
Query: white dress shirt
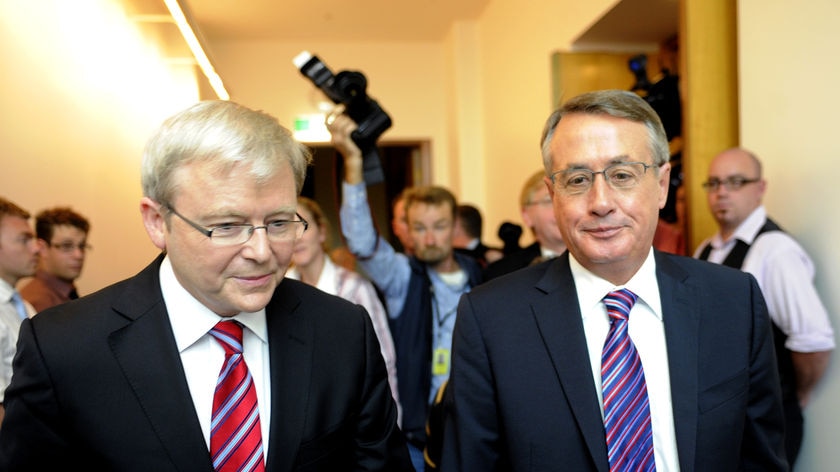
[785, 274]
[202, 356]
[647, 331]
[9, 328]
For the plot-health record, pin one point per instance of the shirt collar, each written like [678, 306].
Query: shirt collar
[591, 289]
[190, 319]
[6, 291]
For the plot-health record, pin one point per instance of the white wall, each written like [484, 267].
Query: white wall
[789, 74]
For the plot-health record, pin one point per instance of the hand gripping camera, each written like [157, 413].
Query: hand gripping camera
[349, 88]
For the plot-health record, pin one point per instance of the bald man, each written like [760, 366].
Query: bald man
[748, 240]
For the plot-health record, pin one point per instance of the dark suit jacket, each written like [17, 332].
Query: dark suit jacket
[524, 396]
[99, 385]
[512, 262]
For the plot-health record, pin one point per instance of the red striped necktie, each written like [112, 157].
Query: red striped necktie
[626, 407]
[235, 434]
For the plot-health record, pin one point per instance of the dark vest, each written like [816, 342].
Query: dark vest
[735, 259]
[412, 334]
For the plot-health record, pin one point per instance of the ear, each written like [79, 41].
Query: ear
[154, 222]
[664, 181]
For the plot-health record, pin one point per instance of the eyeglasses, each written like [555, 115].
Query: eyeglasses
[729, 183]
[232, 235]
[622, 175]
[69, 246]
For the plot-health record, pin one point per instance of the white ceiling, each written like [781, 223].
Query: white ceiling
[630, 21]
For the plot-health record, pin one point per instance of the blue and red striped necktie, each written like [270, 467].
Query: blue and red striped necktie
[626, 406]
[235, 434]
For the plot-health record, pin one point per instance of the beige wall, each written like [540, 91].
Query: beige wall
[80, 91]
[789, 74]
[409, 80]
[516, 49]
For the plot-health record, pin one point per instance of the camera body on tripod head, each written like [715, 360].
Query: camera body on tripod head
[349, 88]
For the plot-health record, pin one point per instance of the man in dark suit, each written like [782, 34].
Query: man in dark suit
[538, 216]
[466, 236]
[132, 377]
[528, 388]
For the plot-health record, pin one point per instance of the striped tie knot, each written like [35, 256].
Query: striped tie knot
[619, 303]
[229, 335]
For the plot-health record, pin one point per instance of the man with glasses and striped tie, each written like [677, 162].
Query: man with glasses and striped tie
[208, 359]
[613, 356]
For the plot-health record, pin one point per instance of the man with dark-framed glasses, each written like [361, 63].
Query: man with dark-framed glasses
[749, 240]
[208, 359]
[63, 247]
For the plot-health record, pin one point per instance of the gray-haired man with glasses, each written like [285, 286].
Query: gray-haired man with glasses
[208, 359]
[534, 383]
[749, 240]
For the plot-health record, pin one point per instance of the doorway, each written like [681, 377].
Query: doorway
[405, 164]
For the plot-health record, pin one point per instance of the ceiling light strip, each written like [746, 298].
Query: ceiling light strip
[194, 44]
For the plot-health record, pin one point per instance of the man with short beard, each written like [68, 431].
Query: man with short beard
[421, 291]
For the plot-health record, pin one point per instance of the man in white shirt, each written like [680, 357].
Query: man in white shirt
[18, 259]
[748, 240]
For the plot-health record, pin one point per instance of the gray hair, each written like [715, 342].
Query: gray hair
[223, 134]
[615, 103]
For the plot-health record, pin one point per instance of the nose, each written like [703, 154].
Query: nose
[599, 195]
[258, 247]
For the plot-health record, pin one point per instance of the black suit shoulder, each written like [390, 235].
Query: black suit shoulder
[512, 262]
[698, 271]
[319, 307]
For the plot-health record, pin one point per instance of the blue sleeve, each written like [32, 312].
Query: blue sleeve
[388, 269]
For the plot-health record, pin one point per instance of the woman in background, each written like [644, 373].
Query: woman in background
[312, 265]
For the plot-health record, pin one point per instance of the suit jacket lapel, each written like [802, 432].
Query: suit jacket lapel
[145, 349]
[290, 347]
[681, 317]
[558, 318]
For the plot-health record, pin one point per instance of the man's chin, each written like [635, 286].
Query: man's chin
[253, 303]
[431, 257]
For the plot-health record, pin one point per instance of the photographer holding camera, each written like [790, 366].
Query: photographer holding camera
[421, 291]
[348, 90]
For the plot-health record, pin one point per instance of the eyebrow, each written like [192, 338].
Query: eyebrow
[234, 213]
[615, 160]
